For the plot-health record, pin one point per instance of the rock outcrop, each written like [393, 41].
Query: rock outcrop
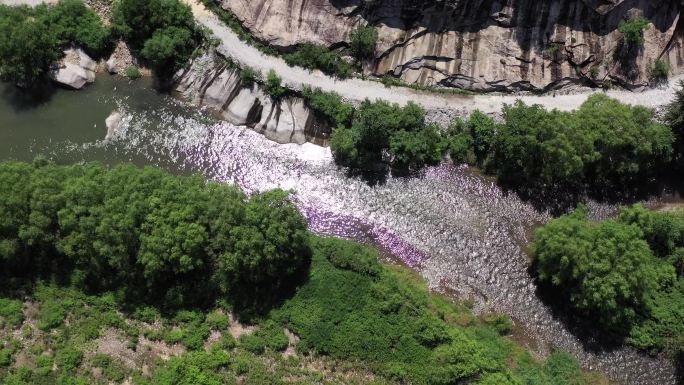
[213, 82]
[75, 70]
[484, 45]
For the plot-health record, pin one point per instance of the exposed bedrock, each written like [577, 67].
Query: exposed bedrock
[486, 45]
[213, 82]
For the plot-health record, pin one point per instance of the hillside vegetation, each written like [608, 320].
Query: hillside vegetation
[103, 263]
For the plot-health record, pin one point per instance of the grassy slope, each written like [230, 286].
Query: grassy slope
[356, 321]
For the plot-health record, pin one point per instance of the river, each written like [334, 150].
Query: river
[458, 229]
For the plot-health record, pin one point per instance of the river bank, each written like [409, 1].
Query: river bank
[458, 229]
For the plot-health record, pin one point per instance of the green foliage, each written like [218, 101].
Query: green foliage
[168, 47]
[633, 30]
[162, 31]
[133, 72]
[622, 272]
[192, 369]
[363, 41]
[674, 117]
[273, 85]
[52, 315]
[156, 237]
[313, 56]
[380, 126]
[351, 256]
[249, 76]
[32, 38]
[602, 148]
[217, 321]
[11, 312]
[69, 358]
[659, 71]
[329, 105]
[27, 47]
[594, 71]
[72, 21]
[253, 343]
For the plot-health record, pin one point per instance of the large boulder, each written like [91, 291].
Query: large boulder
[75, 70]
[70, 75]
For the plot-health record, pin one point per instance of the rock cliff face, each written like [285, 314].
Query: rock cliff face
[212, 82]
[485, 45]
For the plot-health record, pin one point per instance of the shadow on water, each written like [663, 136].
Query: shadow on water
[22, 99]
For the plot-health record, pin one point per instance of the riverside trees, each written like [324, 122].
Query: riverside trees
[628, 273]
[32, 38]
[148, 235]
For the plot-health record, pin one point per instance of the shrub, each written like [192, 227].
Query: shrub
[253, 343]
[162, 31]
[273, 336]
[249, 76]
[313, 56]
[133, 72]
[329, 105]
[659, 71]
[363, 41]
[217, 321]
[594, 71]
[27, 46]
[11, 312]
[633, 30]
[274, 85]
[68, 358]
[51, 316]
[5, 357]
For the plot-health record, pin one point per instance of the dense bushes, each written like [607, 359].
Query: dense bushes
[32, 38]
[363, 41]
[626, 273]
[163, 32]
[313, 56]
[633, 31]
[355, 309]
[149, 235]
[603, 149]
[379, 127]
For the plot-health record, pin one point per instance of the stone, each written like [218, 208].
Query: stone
[113, 122]
[209, 81]
[502, 45]
[75, 70]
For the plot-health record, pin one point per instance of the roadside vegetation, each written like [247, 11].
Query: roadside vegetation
[604, 149]
[626, 274]
[162, 32]
[106, 270]
[33, 38]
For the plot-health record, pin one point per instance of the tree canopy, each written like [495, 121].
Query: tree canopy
[171, 240]
[33, 38]
[163, 32]
[626, 273]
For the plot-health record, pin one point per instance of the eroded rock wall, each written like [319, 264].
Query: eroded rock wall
[486, 45]
[213, 82]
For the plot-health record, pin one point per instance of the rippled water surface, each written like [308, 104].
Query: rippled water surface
[455, 227]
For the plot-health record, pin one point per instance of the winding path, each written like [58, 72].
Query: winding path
[357, 89]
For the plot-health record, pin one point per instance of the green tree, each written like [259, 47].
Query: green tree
[363, 41]
[274, 85]
[606, 269]
[169, 48]
[27, 46]
[633, 30]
